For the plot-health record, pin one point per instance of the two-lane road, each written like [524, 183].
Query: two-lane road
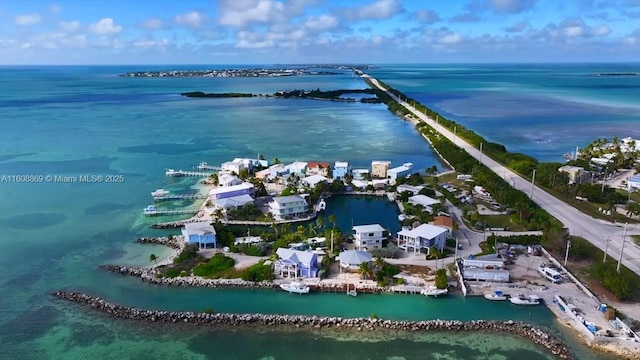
[595, 231]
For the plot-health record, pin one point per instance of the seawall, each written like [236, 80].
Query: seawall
[532, 333]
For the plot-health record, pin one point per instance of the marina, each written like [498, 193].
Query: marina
[179, 173]
[151, 210]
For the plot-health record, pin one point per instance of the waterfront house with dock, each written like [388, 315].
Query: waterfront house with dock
[399, 172]
[224, 192]
[201, 233]
[272, 172]
[360, 174]
[294, 263]
[228, 180]
[232, 167]
[368, 236]
[379, 169]
[286, 207]
[298, 167]
[424, 237]
[313, 180]
[340, 170]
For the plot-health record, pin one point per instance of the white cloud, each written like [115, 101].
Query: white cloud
[426, 16]
[69, 26]
[54, 8]
[380, 9]
[602, 30]
[240, 13]
[27, 19]
[148, 43]
[192, 19]
[518, 27]
[244, 44]
[321, 23]
[153, 24]
[450, 39]
[105, 27]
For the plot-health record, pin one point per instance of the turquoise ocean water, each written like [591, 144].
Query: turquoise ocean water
[86, 120]
[540, 110]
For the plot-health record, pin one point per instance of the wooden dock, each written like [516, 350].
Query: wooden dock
[204, 166]
[179, 197]
[171, 212]
[406, 289]
[178, 173]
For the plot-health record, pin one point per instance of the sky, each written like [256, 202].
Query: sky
[39, 32]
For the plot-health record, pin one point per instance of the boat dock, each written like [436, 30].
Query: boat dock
[174, 173]
[406, 289]
[179, 197]
[153, 211]
[204, 166]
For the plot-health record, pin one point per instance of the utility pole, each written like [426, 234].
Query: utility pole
[605, 178]
[332, 241]
[533, 179]
[456, 255]
[480, 152]
[624, 238]
[455, 128]
[606, 249]
[566, 255]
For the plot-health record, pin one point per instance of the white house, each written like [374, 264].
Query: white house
[423, 200]
[412, 189]
[424, 237]
[228, 180]
[272, 172]
[293, 263]
[398, 172]
[250, 164]
[313, 180]
[368, 236]
[286, 207]
[232, 167]
[298, 167]
[232, 202]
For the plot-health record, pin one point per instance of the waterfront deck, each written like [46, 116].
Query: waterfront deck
[406, 289]
[179, 197]
[179, 173]
[204, 166]
[170, 212]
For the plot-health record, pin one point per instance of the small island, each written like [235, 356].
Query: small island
[229, 73]
[317, 94]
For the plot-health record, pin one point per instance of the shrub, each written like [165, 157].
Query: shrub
[258, 272]
[189, 252]
[441, 279]
[215, 265]
[389, 252]
[208, 311]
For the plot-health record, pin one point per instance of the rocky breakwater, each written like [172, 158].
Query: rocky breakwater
[152, 276]
[175, 224]
[174, 242]
[532, 333]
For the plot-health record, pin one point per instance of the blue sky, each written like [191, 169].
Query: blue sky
[303, 31]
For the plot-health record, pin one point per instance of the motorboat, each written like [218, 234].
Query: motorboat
[433, 291]
[496, 296]
[150, 210]
[520, 299]
[352, 292]
[550, 274]
[295, 287]
[160, 193]
[322, 205]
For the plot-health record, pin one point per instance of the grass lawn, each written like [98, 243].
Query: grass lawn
[635, 196]
[636, 239]
[588, 208]
[501, 221]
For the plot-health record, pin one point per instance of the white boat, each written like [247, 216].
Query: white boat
[322, 205]
[295, 287]
[150, 210]
[160, 193]
[433, 291]
[520, 299]
[496, 296]
[352, 293]
[550, 274]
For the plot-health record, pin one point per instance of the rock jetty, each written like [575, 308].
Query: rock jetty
[175, 242]
[532, 333]
[150, 275]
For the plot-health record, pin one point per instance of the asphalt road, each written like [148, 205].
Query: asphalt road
[598, 232]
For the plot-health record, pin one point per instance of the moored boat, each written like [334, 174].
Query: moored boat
[433, 291]
[496, 296]
[160, 193]
[295, 287]
[520, 299]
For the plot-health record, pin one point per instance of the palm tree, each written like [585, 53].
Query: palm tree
[332, 220]
[365, 270]
[153, 258]
[320, 223]
[379, 261]
[633, 209]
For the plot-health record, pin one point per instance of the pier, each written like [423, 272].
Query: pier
[179, 197]
[153, 211]
[174, 173]
[406, 289]
[204, 166]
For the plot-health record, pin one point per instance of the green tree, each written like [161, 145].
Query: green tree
[332, 220]
[276, 161]
[633, 209]
[365, 270]
[214, 179]
[153, 258]
[442, 281]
